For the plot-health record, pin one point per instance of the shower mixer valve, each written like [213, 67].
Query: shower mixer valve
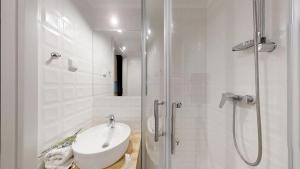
[246, 99]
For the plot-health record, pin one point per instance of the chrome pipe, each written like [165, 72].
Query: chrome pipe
[257, 89]
[262, 17]
[256, 36]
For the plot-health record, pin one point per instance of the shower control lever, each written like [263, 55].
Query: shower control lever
[246, 99]
[228, 97]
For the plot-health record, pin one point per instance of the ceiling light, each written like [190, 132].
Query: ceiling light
[123, 48]
[114, 21]
[149, 31]
[119, 30]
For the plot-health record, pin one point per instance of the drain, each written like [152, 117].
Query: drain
[105, 145]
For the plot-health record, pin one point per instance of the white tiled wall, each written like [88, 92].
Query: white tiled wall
[134, 74]
[127, 109]
[72, 100]
[188, 86]
[229, 23]
[65, 97]
[103, 64]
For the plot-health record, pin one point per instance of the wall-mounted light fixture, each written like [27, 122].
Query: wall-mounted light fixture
[149, 31]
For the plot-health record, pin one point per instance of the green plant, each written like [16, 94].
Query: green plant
[64, 143]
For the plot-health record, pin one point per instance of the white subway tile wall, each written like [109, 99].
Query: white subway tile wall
[71, 100]
[230, 23]
[204, 66]
[103, 63]
[66, 100]
[188, 86]
[127, 109]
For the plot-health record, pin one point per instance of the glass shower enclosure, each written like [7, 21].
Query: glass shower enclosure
[198, 53]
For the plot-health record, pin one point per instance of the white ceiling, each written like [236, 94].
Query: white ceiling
[190, 3]
[99, 12]
[114, 3]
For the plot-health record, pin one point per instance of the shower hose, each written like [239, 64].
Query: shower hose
[259, 156]
[258, 114]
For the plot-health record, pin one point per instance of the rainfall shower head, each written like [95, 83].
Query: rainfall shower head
[243, 46]
[262, 47]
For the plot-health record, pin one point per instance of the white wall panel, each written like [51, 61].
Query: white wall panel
[65, 96]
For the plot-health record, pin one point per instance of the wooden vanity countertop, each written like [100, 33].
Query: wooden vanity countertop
[133, 150]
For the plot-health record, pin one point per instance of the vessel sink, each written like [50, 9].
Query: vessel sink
[101, 146]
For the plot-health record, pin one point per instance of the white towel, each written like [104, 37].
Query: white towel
[60, 158]
[128, 160]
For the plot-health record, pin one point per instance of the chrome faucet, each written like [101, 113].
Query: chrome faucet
[112, 121]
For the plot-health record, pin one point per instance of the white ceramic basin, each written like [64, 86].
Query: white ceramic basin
[101, 146]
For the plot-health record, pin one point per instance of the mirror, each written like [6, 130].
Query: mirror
[117, 62]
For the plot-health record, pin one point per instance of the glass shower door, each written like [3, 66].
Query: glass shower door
[203, 66]
[191, 60]
[154, 86]
[187, 85]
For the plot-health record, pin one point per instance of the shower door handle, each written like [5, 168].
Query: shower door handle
[157, 103]
[173, 126]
